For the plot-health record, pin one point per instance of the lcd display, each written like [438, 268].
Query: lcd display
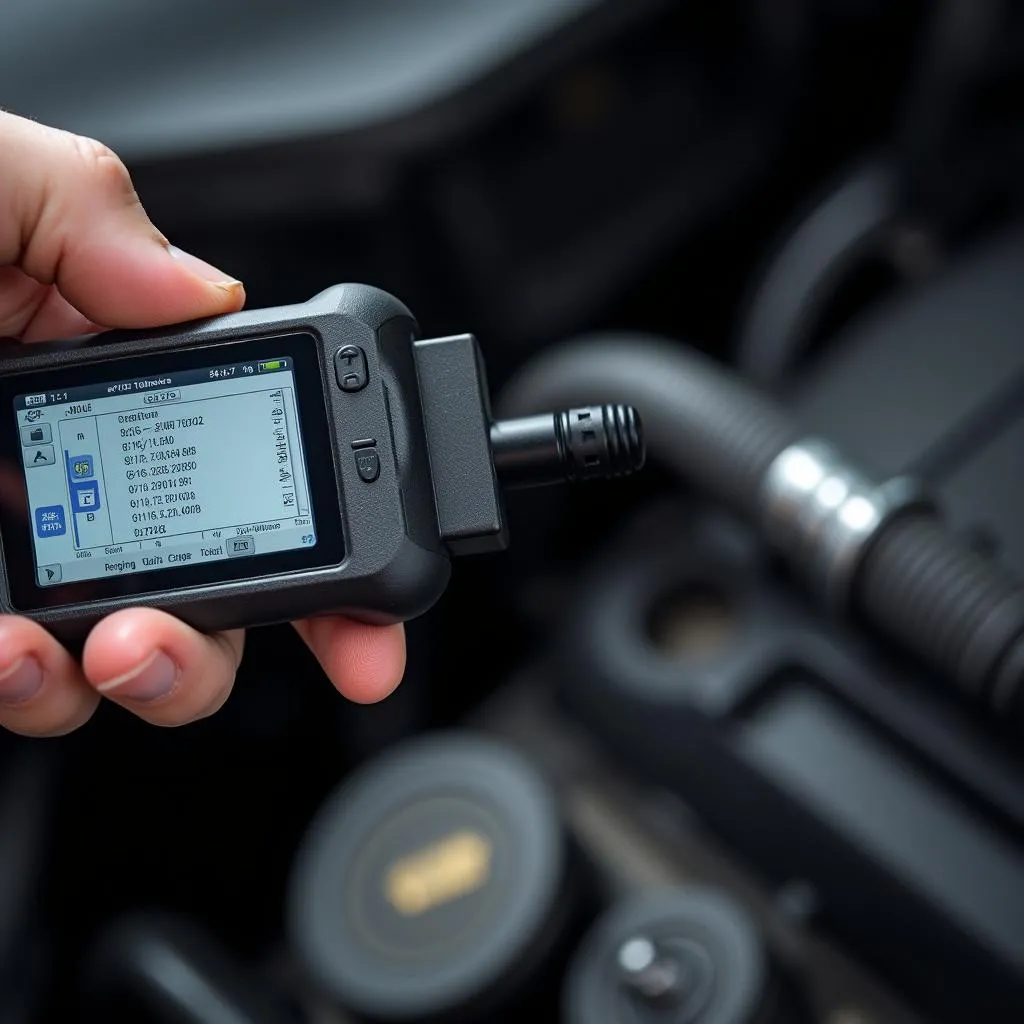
[165, 471]
[191, 467]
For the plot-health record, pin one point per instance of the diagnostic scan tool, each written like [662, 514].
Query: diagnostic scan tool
[265, 466]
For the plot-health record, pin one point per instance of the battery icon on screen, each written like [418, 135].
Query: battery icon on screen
[272, 364]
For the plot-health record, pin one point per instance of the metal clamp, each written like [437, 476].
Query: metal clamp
[821, 514]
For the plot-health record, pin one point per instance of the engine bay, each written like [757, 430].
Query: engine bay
[638, 769]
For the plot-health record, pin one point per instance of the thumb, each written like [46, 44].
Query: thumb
[69, 216]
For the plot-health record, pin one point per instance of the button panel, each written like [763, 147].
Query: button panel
[350, 368]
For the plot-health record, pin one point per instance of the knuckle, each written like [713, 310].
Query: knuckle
[103, 165]
[22, 303]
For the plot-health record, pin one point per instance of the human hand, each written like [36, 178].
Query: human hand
[78, 254]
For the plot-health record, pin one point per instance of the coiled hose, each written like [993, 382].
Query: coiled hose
[876, 550]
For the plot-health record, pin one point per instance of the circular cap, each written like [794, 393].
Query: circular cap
[427, 877]
[676, 956]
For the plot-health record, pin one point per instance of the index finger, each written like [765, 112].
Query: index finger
[69, 216]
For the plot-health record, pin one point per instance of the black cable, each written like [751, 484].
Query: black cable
[598, 442]
[845, 229]
[900, 209]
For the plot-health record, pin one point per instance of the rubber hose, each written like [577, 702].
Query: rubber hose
[934, 595]
[915, 584]
[701, 422]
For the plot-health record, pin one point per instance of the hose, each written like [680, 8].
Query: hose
[924, 585]
[876, 551]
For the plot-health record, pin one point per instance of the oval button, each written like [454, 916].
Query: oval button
[368, 464]
[350, 368]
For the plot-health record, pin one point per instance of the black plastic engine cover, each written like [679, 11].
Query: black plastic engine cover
[816, 757]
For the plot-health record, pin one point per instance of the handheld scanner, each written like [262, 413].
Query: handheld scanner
[265, 466]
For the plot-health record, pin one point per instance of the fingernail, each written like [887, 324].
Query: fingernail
[154, 678]
[202, 269]
[22, 681]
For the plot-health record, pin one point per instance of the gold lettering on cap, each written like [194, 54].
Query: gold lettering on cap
[454, 866]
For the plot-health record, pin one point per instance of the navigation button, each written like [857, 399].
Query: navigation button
[36, 433]
[42, 456]
[49, 575]
[350, 368]
[240, 546]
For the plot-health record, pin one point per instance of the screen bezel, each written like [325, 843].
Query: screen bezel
[15, 517]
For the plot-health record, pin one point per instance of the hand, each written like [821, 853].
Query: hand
[78, 254]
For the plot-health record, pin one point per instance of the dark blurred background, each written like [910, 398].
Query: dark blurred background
[822, 194]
